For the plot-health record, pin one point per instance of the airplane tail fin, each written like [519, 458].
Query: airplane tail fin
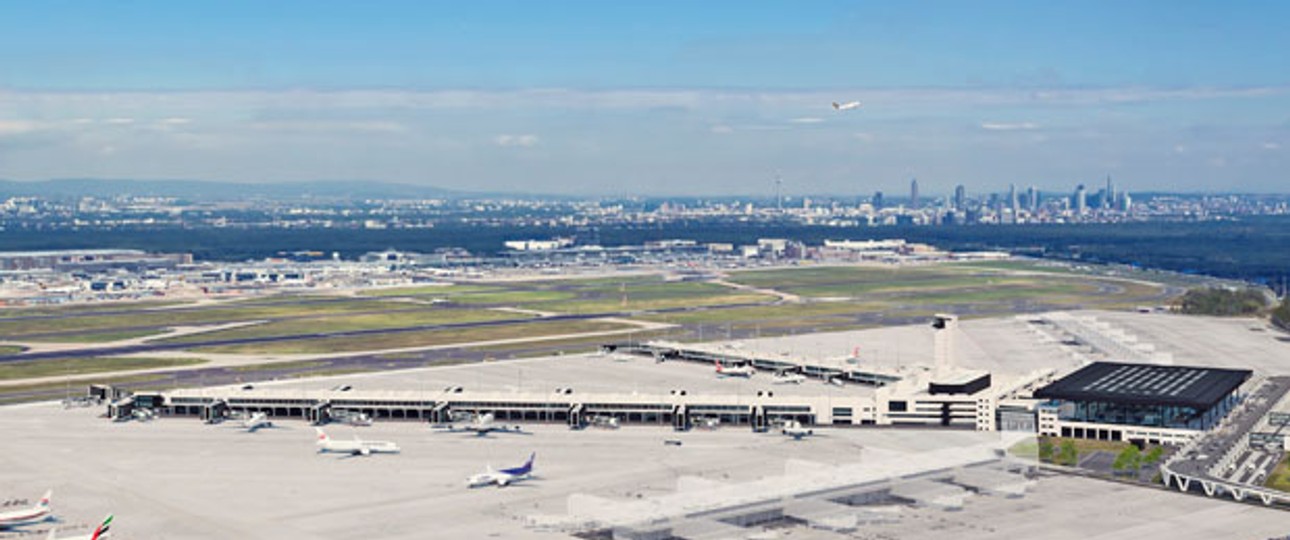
[836, 106]
[102, 530]
[44, 500]
[322, 435]
[528, 465]
[718, 364]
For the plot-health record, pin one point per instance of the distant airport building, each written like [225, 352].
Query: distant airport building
[1151, 403]
[538, 245]
[91, 260]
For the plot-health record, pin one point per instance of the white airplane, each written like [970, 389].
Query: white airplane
[737, 371]
[256, 421]
[36, 514]
[99, 533]
[356, 447]
[481, 425]
[794, 429]
[788, 377]
[503, 477]
[846, 106]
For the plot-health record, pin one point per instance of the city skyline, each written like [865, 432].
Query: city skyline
[658, 99]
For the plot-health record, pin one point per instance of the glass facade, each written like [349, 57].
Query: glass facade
[1147, 415]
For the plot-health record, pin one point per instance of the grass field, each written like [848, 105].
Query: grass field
[949, 284]
[1280, 477]
[859, 281]
[97, 337]
[418, 339]
[425, 315]
[79, 366]
[600, 295]
[432, 290]
[138, 321]
[11, 349]
[81, 309]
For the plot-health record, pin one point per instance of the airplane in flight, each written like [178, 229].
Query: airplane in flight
[846, 106]
[36, 514]
[481, 425]
[788, 377]
[794, 429]
[99, 533]
[256, 421]
[356, 447]
[736, 371]
[503, 477]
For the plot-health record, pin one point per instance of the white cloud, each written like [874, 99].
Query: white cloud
[373, 126]
[16, 127]
[1005, 126]
[450, 137]
[1180, 149]
[525, 140]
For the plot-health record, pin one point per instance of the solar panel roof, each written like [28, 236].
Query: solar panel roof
[1146, 384]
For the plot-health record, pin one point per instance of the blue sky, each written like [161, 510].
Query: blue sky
[651, 97]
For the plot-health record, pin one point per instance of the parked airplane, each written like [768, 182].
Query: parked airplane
[99, 533]
[481, 425]
[256, 421]
[503, 477]
[794, 429]
[36, 514]
[788, 377]
[736, 371]
[846, 106]
[356, 447]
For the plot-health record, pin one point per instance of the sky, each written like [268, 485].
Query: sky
[652, 98]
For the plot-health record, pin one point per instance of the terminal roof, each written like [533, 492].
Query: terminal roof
[1146, 384]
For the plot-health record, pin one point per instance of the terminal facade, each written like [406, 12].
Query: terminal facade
[1150, 403]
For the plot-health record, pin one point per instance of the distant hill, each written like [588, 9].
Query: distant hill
[204, 190]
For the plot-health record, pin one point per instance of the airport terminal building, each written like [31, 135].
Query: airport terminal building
[1151, 403]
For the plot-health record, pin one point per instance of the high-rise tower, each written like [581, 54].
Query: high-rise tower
[913, 193]
[1013, 203]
